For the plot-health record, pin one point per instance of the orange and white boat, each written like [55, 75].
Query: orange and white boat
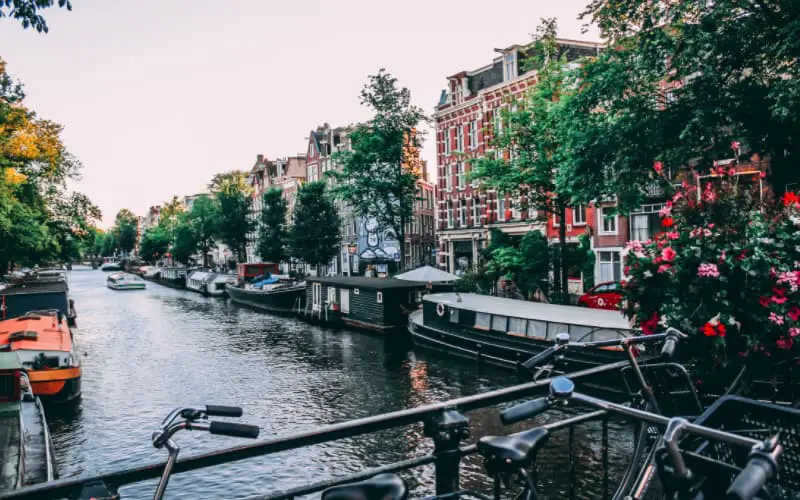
[43, 343]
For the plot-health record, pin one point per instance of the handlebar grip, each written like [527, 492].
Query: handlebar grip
[234, 429]
[753, 477]
[540, 358]
[668, 349]
[524, 411]
[223, 411]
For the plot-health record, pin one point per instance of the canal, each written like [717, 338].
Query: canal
[146, 352]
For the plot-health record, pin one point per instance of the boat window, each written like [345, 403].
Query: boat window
[483, 321]
[453, 314]
[355, 291]
[380, 297]
[577, 333]
[516, 325]
[554, 329]
[537, 329]
[604, 334]
[499, 323]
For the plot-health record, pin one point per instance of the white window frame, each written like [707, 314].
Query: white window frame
[601, 221]
[447, 138]
[379, 297]
[501, 208]
[497, 121]
[462, 212]
[510, 66]
[450, 218]
[461, 175]
[575, 211]
[610, 253]
[476, 212]
[460, 137]
[448, 177]
[473, 134]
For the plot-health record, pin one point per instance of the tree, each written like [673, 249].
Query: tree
[533, 157]
[203, 219]
[528, 263]
[379, 172]
[232, 193]
[27, 11]
[315, 232]
[684, 81]
[273, 232]
[155, 243]
[125, 230]
[186, 242]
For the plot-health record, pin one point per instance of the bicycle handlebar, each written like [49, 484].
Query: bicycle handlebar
[672, 336]
[525, 410]
[223, 411]
[760, 468]
[234, 429]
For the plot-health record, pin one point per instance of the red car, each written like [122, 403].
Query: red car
[603, 296]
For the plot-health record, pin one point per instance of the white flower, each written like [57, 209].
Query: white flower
[647, 274]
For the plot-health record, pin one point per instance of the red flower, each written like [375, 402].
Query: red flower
[721, 329]
[784, 343]
[649, 326]
[667, 222]
[764, 301]
[790, 198]
[794, 313]
[668, 254]
[778, 291]
[735, 145]
[658, 167]
[708, 330]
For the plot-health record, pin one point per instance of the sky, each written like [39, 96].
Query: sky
[156, 96]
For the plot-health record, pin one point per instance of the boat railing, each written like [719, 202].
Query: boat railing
[444, 423]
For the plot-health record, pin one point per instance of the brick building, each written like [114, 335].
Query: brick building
[467, 114]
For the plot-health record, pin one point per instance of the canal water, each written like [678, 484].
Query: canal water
[146, 352]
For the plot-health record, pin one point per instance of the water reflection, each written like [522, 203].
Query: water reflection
[145, 352]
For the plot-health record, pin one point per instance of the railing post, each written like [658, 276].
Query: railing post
[447, 428]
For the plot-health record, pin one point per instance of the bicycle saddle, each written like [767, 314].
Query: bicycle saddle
[380, 487]
[512, 452]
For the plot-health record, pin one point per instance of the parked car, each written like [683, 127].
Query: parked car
[606, 295]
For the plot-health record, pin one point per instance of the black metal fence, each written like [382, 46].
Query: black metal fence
[443, 423]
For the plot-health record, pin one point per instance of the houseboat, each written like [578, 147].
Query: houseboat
[27, 454]
[125, 281]
[506, 332]
[210, 284]
[261, 287]
[375, 304]
[151, 273]
[34, 291]
[174, 277]
[44, 344]
[111, 265]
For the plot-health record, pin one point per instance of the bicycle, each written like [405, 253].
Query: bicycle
[193, 419]
[691, 475]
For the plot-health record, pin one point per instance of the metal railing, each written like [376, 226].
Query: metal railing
[443, 423]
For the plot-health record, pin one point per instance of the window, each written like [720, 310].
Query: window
[501, 208]
[461, 175]
[497, 121]
[450, 221]
[483, 320]
[608, 222]
[537, 329]
[453, 315]
[579, 215]
[499, 323]
[645, 222]
[476, 212]
[473, 134]
[355, 291]
[517, 325]
[380, 297]
[509, 67]
[448, 135]
[610, 267]
[462, 216]
[448, 177]
[460, 137]
[516, 213]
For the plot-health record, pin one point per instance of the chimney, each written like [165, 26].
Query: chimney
[260, 158]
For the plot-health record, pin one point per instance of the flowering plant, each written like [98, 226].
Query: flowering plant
[725, 270]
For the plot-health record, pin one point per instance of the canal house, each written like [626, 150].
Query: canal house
[376, 304]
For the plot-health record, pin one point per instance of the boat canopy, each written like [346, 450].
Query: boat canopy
[535, 311]
[201, 276]
[247, 271]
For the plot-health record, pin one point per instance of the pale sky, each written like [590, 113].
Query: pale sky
[158, 95]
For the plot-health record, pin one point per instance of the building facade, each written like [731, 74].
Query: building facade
[466, 117]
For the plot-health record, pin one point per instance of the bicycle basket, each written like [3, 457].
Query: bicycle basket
[757, 420]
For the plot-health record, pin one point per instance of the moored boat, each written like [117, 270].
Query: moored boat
[44, 344]
[36, 291]
[174, 277]
[111, 265]
[125, 281]
[260, 287]
[506, 332]
[26, 456]
[208, 283]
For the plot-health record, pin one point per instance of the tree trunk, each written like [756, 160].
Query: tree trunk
[563, 282]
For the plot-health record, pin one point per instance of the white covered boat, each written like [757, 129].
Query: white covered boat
[125, 281]
[208, 283]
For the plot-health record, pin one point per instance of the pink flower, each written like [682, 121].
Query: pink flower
[663, 268]
[794, 331]
[677, 196]
[794, 313]
[658, 167]
[706, 270]
[779, 300]
[711, 225]
[665, 211]
[722, 256]
[784, 343]
[731, 172]
[673, 235]
[776, 318]
[668, 254]
[735, 145]
[764, 301]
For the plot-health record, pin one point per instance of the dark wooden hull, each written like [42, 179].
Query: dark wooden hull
[508, 351]
[179, 283]
[280, 301]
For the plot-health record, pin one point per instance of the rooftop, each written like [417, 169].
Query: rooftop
[362, 282]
